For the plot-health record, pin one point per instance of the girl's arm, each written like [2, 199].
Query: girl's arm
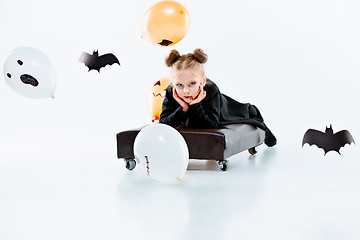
[172, 113]
[206, 114]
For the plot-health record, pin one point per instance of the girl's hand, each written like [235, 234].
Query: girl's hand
[200, 96]
[184, 105]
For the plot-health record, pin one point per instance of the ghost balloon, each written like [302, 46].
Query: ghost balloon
[162, 153]
[29, 72]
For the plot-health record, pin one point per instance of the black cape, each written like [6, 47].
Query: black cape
[214, 110]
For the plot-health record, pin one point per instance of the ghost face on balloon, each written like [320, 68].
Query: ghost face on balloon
[29, 72]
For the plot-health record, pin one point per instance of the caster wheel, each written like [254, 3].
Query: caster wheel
[222, 164]
[252, 151]
[130, 163]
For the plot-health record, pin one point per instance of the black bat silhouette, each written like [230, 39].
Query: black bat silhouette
[96, 62]
[328, 141]
[165, 42]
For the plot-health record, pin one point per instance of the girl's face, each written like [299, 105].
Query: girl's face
[187, 85]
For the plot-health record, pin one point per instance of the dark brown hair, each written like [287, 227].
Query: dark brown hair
[192, 61]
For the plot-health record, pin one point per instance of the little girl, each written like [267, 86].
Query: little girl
[195, 101]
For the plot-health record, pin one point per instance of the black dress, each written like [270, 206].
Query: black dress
[214, 110]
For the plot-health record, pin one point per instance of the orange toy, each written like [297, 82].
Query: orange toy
[166, 23]
[155, 97]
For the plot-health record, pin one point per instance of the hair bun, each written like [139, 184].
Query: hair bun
[172, 58]
[200, 56]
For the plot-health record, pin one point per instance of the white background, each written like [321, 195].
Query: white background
[297, 61]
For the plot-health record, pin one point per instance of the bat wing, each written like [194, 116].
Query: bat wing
[318, 138]
[341, 138]
[84, 57]
[107, 59]
[90, 61]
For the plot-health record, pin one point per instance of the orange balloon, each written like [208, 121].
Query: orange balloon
[155, 97]
[166, 23]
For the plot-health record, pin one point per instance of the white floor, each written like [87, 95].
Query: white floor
[285, 192]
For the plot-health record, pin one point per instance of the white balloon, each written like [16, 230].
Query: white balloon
[30, 73]
[162, 153]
